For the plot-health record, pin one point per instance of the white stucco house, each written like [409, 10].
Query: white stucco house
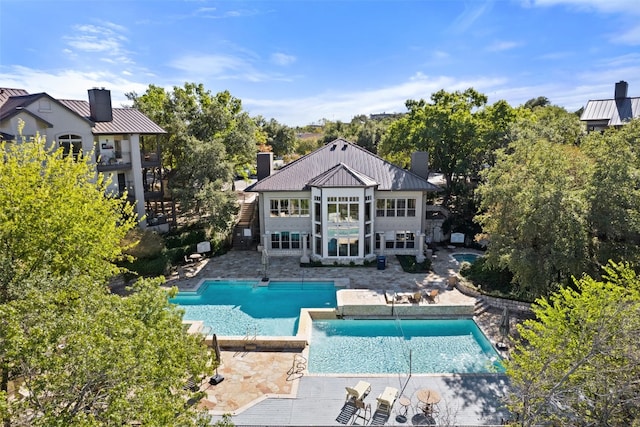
[123, 141]
[343, 204]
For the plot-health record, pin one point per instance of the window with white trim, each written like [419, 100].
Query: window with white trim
[395, 207]
[285, 240]
[70, 144]
[289, 208]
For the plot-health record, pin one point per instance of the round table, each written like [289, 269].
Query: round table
[429, 398]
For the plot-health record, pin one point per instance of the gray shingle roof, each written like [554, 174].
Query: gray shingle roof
[125, 120]
[616, 112]
[341, 163]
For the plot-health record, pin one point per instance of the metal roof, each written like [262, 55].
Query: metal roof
[125, 120]
[347, 164]
[615, 111]
[342, 176]
[17, 104]
[6, 93]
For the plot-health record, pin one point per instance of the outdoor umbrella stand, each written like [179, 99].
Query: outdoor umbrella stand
[217, 378]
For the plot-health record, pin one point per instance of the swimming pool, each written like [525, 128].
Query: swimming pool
[386, 347]
[465, 257]
[232, 307]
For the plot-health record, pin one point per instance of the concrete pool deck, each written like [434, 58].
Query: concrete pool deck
[258, 391]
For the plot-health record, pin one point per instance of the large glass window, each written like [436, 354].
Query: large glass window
[285, 240]
[391, 207]
[395, 207]
[289, 208]
[70, 144]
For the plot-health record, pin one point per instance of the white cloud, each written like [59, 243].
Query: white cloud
[107, 40]
[502, 46]
[630, 36]
[469, 16]
[344, 105]
[199, 67]
[70, 84]
[282, 59]
[607, 6]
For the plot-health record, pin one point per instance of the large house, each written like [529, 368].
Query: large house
[603, 113]
[123, 140]
[342, 204]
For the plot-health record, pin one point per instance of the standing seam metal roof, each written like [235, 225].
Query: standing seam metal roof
[615, 111]
[125, 120]
[300, 174]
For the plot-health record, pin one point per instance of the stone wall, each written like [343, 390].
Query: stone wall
[495, 302]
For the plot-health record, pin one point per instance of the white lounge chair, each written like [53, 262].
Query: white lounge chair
[359, 391]
[386, 399]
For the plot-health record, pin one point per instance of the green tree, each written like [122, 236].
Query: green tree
[614, 193]
[55, 215]
[551, 122]
[200, 183]
[578, 363]
[448, 128]
[541, 101]
[85, 357]
[209, 136]
[281, 138]
[534, 209]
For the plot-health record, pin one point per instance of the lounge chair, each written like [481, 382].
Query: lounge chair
[358, 392]
[386, 399]
[416, 297]
[363, 412]
[433, 296]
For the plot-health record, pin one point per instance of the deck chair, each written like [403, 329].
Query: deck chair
[416, 297]
[433, 296]
[386, 399]
[363, 412]
[358, 392]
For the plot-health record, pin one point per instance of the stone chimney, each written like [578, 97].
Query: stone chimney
[420, 164]
[100, 105]
[621, 89]
[264, 165]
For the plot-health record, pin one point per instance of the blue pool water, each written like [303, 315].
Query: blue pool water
[465, 257]
[385, 346]
[241, 307]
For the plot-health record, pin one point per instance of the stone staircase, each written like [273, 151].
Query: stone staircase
[480, 307]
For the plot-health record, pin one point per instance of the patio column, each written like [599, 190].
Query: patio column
[420, 255]
[383, 243]
[305, 255]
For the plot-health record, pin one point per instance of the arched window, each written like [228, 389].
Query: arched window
[70, 144]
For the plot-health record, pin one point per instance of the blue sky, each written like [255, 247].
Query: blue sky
[303, 61]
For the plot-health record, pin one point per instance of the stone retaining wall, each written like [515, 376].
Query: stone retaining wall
[494, 302]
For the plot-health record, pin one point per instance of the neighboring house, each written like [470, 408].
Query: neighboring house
[342, 204]
[603, 113]
[124, 141]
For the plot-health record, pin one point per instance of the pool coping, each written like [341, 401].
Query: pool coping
[361, 303]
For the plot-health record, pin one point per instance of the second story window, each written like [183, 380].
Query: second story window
[70, 144]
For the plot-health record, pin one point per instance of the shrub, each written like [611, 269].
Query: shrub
[410, 265]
